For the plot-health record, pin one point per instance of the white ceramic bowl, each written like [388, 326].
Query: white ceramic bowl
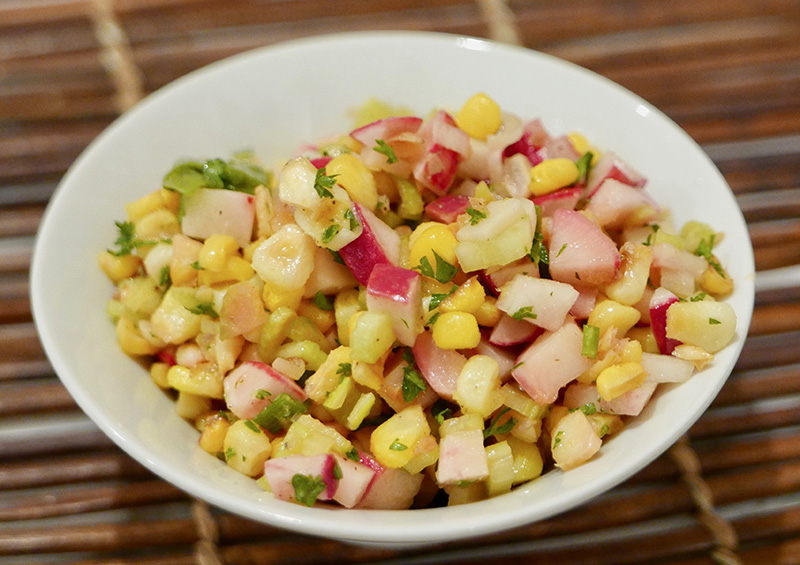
[275, 98]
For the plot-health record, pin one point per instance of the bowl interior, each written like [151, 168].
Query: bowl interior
[273, 99]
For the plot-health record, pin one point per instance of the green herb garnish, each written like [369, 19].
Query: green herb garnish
[397, 446]
[584, 165]
[322, 302]
[330, 232]
[278, 415]
[475, 216]
[524, 312]
[323, 183]
[307, 488]
[204, 308]
[591, 339]
[438, 297]
[444, 272]
[385, 149]
[494, 429]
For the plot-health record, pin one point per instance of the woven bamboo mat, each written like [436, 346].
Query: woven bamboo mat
[728, 71]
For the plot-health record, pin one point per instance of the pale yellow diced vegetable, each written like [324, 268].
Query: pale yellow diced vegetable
[371, 337]
[118, 268]
[707, 324]
[634, 267]
[246, 447]
[394, 441]
[345, 305]
[610, 313]
[212, 436]
[189, 406]
[203, 380]
[456, 330]
[501, 468]
[618, 379]
[477, 386]
[352, 175]
[131, 340]
[308, 436]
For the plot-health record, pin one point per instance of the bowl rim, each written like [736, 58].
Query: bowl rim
[416, 528]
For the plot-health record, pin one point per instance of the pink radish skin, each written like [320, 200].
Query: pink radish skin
[564, 199]
[610, 166]
[396, 291]
[279, 473]
[378, 243]
[660, 302]
[210, 211]
[509, 332]
[549, 301]
[244, 385]
[356, 479]
[462, 458]
[614, 202]
[447, 208]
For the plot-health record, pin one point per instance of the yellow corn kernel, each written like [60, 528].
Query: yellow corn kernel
[216, 251]
[483, 192]
[158, 372]
[246, 447]
[190, 406]
[368, 374]
[552, 174]
[488, 314]
[119, 268]
[239, 268]
[323, 319]
[148, 203]
[631, 352]
[618, 379]
[714, 283]
[274, 299]
[354, 176]
[430, 237]
[456, 330]
[467, 298]
[131, 340]
[212, 436]
[480, 116]
[635, 269]
[158, 224]
[610, 313]
[645, 338]
[202, 380]
[345, 305]
[464, 423]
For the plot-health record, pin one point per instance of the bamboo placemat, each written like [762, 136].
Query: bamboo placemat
[726, 71]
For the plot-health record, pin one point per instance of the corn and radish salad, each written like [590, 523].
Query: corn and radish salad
[424, 311]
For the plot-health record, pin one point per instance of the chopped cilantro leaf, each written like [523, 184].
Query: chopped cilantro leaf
[560, 251]
[164, 278]
[524, 312]
[206, 308]
[127, 240]
[538, 253]
[307, 488]
[330, 232]
[353, 455]
[504, 428]
[699, 297]
[584, 165]
[438, 297]
[441, 411]
[337, 257]
[230, 453]
[323, 183]
[397, 446]
[322, 302]
[444, 272]
[413, 383]
[261, 394]
[705, 249]
[385, 149]
[344, 370]
[475, 216]
[252, 426]
[197, 266]
[713, 321]
[350, 217]
[557, 439]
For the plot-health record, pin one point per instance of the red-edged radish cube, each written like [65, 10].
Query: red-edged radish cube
[585, 303]
[439, 367]
[541, 302]
[397, 292]
[356, 479]
[667, 256]
[320, 162]
[437, 169]
[609, 165]
[666, 368]
[660, 302]
[552, 361]
[565, 198]
[447, 208]
[496, 277]
[614, 203]
[280, 471]
[527, 146]
[580, 252]
[378, 243]
[630, 403]
[209, 211]
[509, 332]
[462, 458]
[385, 129]
[252, 386]
[392, 489]
[560, 148]
[505, 357]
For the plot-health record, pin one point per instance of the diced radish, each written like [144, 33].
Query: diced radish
[516, 176]
[541, 302]
[320, 162]
[447, 208]
[566, 198]
[660, 302]
[356, 479]
[614, 202]
[496, 277]
[509, 331]
[242, 310]
[504, 356]
[666, 368]
[329, 276]
[396, 291]
[252, 386]
[630, 403]
[378, 243]
[385, 129]
[484, 162]
[574, 440]
[580, 252]
[585, 303]
[280, 471]
[525, 146]
[560, 148]
[209, 211]
[392, 489]
[445, 133]
[437, 168]
[439, 367]
[462, 458]
[167, 356]
[609, 165]
[391, 389]
[667, 256]
[550, 362]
